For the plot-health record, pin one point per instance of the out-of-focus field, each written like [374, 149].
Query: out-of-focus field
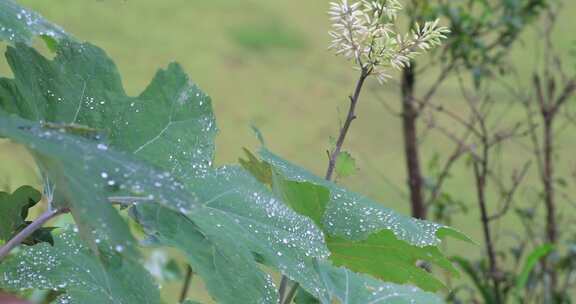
[266, 63]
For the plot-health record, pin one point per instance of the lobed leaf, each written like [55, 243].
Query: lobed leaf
[73, 268]
[361, 234]
[18, 24]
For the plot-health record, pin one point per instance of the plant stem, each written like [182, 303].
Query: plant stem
[186, 285]
[333, 156]
[26, 232]
[548, 180]
[480, 174]
[409, 122]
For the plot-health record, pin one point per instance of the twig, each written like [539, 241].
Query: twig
[349, 118]
[26, 232]
[516, 181]
[186, 285]
[333, 156]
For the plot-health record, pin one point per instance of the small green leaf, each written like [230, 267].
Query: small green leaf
[41, 235]
[259, 169]
[531, 261]
[14, 210]
[345, 164]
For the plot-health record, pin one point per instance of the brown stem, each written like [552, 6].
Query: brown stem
[480, 174]
[186, 285]
[333, 156]
[547, 180]
[26, 232]
[409, 121]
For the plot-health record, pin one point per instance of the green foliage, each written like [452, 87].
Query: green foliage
[214, 259]
[483, 32]
[366, 246]
[18, 24]
[345, 164]
[71, 267]
[14, 208]
[536, 255]
[153, 154]
[348, 287]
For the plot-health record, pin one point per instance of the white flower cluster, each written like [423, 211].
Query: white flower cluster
[365, 32]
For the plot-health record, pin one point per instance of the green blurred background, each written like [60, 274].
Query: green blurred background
[266, 63]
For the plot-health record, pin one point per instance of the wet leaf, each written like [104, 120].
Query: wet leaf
[18, 24]
[361, 234]
[71, 267]
[230, 273]
[348, 287]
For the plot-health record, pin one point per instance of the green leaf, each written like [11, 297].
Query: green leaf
[259, 169]
[345, 164]
[305, 198]
[363, 235]
[531, 261]
[303, 297]
[229, 272]
[14, 209]
[87, 174]
[354, 216]
[236, 205]
[71, 267]
[241, 205]
[82, 86]
[385, 257]
[348, 287]
[18, 24]
[43, 234]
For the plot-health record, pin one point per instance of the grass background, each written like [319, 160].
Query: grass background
[265, 63]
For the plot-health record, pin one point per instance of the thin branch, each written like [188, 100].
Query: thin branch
[26, 232]
[446, 169]
[349, 118]
[516, 181]
[441, 77]
[186, 285]
[333, 156]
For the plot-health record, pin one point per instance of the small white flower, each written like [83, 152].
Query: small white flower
[365, 33]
